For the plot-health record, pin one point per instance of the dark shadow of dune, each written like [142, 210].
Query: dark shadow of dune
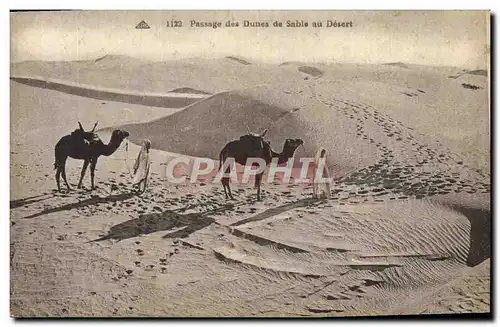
[145, 100]
[471, 86]
[239, 60]
[397, 64]
[189, 90]
[315, 72]
[480, 234]
[92, 201]
[480, 72]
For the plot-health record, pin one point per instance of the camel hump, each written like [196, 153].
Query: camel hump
[253, 143]
[251, 137]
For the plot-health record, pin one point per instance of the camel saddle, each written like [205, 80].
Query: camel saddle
[86, 137]
[252, 141]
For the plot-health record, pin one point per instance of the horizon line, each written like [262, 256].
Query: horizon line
[249, 59]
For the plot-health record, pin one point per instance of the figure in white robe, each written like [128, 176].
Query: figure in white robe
[141, 166]
[321, 176]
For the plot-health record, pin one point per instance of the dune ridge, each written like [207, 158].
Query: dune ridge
[166, 100]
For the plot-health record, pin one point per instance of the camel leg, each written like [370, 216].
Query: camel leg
[63, 168]
[82, 174]
[258, 179]
[225, 192]
[229, 190]
[225, 184]
[93, 163]
[58, 176]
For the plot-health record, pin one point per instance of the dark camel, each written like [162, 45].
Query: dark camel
[85, 146]
[254, 146]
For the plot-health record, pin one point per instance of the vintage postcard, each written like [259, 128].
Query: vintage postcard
[249, 163]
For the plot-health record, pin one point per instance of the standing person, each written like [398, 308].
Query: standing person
[321, 175]
[142, 165]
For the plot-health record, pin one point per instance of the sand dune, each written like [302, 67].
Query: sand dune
[314, 72]
[397, 64]
[125, 73]
[240, 60]
[407, 229]
[166, 100]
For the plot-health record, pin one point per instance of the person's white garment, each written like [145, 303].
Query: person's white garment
[321, 188]
[142, 165]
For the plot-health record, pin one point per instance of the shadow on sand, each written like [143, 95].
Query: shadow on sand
[277, 210]
[150, 223]
[186, 223]
[92, 201]
[29, 200]
[480, 234]
[167, 220]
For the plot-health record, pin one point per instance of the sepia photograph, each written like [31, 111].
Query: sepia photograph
[250, 163]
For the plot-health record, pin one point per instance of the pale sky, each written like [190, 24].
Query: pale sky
[451, 38]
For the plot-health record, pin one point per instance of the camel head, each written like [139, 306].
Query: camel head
[119, 135]
[293, 144]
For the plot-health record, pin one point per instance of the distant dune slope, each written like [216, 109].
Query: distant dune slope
[315, 72]
[366, 146]
[241, 61]
[481, 72]
[121, 72]
[166, 100]
[397, 64]
[205, 127]
[188, 90]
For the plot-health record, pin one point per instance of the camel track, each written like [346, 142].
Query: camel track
[312, 272]
[422, 170]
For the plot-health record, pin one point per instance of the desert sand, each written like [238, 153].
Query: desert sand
[406, 231]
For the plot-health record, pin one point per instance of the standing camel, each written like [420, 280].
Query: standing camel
[254, 146]
[85, 146]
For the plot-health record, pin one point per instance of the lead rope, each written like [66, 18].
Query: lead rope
[126, 159]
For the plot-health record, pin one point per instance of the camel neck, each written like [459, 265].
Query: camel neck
[285, 154]
[111, 147]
